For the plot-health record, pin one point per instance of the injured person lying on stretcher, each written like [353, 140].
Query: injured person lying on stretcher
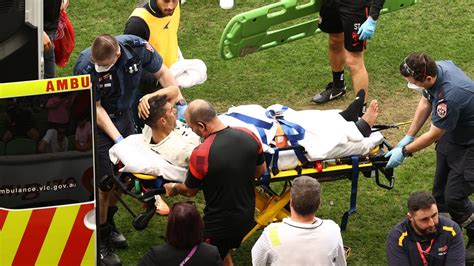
[164, 147]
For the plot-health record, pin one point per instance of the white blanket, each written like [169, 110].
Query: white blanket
[327, 136]
[189, 72]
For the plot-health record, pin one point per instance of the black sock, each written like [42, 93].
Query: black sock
[338, 79]
[352, 111]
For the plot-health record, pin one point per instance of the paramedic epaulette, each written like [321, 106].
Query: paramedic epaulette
[87, 69]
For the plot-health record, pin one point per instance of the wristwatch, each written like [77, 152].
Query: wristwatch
[405, 152]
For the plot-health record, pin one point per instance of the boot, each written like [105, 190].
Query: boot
[117, 239]
[469, 256]
[107, 255]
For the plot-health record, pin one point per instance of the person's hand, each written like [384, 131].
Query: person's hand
[405, 141]
[171, 190]
[181, 109]
[46, 42]
[144, 107]
[396, 157]
[367, 29]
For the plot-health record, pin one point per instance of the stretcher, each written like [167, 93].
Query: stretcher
[267, 26]
[270, 205]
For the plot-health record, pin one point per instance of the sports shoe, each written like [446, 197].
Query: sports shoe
[330, 93]
[107, 255]
[118, 240]
[161, 207]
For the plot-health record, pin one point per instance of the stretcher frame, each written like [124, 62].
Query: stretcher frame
[271, 206]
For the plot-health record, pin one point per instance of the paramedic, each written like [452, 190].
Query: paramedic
[157, 21]
[448, 95]
[349, 23]
[293, 241]
[226, 178]
[425, 237]
[115, 65]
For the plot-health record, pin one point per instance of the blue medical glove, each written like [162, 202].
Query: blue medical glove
[181, 109]
[405, 141]
[118, 139]
[367, 29]
[396, 157]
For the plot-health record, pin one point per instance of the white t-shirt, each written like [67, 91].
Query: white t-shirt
[51, 137]
[177, 147]
[293, 243]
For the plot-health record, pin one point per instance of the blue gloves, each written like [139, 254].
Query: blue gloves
[367, 29]
[405, 141]
[396, 154]
[396, 157]
[181, 109]
[118, 139]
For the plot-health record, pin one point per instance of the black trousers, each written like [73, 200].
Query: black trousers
[124, 125]
[451, 186]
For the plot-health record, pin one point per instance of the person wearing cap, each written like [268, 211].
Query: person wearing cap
[115, 65]
[349, 24]
[424, 237]
[448, 96]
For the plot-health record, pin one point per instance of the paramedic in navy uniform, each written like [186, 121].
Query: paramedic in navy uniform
[115, 65]
[448, 95]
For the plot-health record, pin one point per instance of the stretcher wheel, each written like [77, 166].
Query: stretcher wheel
[106, 183]
[141, 221]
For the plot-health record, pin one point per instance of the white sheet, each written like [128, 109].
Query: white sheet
[327, 136]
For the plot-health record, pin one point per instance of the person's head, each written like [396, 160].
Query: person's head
[423, 212]
[61, 132]
[185, 226]
[105, 52]
[198, 115]
[305, 195]
[162, 114]
[419, 69]
[167, 7]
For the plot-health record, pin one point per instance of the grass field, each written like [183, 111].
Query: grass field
[291, 74]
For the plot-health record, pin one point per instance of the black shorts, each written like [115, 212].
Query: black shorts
[224, 245]
[336, 18]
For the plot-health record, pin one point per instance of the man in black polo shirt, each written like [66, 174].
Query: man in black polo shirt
[424, 237]
[225, 166]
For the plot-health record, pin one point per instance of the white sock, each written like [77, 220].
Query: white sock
[226, 4]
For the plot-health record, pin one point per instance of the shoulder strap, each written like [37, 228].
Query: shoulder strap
[190, 254]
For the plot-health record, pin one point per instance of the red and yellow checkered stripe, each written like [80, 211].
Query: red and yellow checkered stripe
[47, 236]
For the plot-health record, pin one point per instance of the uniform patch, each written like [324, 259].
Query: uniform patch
[443, 250]
[149, 47]
[442, 110]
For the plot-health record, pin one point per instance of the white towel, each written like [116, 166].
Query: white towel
[189, 72]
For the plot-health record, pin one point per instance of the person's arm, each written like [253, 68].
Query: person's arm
[105, 124]
[341, 257]
[375, 8]
[261, 251]
[422, 113]
[171, 92]
[456, 250]
[165, 77]
[425, 140]
[47, 44]
[42, 146]
[173, 189]
[260, 170]
[137, 26]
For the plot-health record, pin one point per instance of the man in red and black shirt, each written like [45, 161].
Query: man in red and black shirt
[224, 166]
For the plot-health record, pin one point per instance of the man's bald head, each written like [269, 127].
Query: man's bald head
[200, 111]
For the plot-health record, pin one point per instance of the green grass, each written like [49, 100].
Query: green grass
[290, 75]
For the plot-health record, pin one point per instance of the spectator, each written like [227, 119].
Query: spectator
[20, 122]
[301, 239]
[83, 136]
[51, 10]
[424, 237]
[55, 140]
[184, 241]
[59, 109]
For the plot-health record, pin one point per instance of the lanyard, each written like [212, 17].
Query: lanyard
[424, 252]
